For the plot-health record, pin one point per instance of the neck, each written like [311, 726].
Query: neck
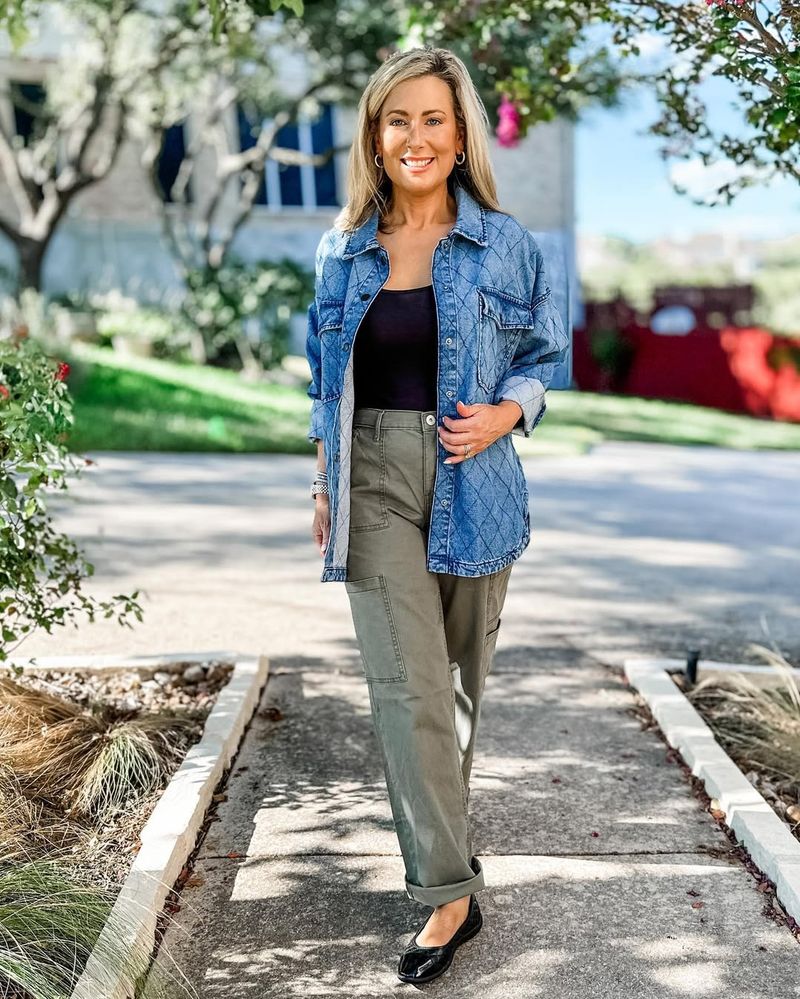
[421, 211]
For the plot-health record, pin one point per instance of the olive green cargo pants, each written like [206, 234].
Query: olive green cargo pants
[426, 640]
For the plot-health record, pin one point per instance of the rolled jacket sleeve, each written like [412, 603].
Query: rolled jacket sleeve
[314, 347]
[542, 347]
[313, 356]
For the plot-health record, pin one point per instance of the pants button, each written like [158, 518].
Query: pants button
[430, 419]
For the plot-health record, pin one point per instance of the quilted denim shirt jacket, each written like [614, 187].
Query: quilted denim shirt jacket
[500, 337]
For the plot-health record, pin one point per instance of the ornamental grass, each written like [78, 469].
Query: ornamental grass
[759, 726]
[88, 762]
[64, 770]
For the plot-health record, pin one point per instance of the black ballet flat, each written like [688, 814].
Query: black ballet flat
[423, 964]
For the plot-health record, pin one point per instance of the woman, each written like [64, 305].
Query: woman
[421, 501]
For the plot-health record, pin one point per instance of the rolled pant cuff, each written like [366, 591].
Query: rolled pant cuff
[439, 894]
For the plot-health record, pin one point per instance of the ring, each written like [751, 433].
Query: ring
[466, 450]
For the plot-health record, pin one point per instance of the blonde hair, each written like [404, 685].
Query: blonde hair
[366, 188]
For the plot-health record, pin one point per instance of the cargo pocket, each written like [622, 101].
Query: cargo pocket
[375, 629]
[489, 643]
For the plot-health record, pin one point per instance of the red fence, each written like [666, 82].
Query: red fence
[739, 370]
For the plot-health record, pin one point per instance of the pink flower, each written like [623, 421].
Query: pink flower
[4, 392]
[507, 130]
[63, 371]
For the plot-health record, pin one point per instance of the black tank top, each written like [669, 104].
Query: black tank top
[395, 353]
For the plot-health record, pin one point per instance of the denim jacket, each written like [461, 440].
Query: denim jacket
[500, 337]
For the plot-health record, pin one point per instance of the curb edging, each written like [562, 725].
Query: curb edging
[168, 837]
[770, 844]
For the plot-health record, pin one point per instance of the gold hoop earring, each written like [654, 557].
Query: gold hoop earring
[375, 160]
[460, 162]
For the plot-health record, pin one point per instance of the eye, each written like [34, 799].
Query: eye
[395, 120]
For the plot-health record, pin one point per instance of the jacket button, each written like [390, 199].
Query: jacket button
[364, 296]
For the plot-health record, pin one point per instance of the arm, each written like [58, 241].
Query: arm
[541, 348]
[321, 525]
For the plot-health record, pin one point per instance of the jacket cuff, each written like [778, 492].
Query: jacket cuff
[529, 394]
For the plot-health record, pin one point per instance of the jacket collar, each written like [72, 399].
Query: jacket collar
[470, 222]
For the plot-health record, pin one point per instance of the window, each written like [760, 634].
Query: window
[27, 99]
[173, 150]
[285, 185]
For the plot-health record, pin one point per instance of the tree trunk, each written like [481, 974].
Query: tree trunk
[31, 260]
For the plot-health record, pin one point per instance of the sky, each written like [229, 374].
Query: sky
[623, 189]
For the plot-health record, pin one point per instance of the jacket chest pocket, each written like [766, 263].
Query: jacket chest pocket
[331, 317]
[502, 321]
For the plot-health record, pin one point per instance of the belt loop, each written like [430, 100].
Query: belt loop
[378, 419]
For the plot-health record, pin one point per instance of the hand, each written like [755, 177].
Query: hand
[481, 424]
[321, 528]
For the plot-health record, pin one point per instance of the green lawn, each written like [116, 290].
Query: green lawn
[152, 405]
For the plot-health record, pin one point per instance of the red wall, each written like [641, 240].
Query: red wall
[727, 369]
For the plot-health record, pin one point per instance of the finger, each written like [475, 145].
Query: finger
[471, 429]
[457, 423]
[474, 446]
[456, 436]
[454, 447]
[456, 459]
[458, 439]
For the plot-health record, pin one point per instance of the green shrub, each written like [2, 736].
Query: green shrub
[243, 311]
[41, 569]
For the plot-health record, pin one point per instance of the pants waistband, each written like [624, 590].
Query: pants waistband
[395, 419]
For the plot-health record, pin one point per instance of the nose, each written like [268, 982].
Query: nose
[413, 138]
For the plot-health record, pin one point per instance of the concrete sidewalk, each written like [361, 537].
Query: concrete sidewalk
[637, 549]
[594, 849]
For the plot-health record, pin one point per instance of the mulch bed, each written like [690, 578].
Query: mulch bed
[103, 853]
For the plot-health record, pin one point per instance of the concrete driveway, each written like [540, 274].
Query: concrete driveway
[635, 547]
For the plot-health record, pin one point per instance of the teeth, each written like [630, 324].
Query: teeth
[417, 162]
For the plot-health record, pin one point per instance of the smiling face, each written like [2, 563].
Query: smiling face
[417, 135]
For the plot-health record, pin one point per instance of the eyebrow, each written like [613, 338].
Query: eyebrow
[399, 111]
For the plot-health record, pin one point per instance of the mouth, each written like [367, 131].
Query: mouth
[415, 164]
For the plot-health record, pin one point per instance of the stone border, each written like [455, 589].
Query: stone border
[169, 835]
[770, 844]
[169, 662]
